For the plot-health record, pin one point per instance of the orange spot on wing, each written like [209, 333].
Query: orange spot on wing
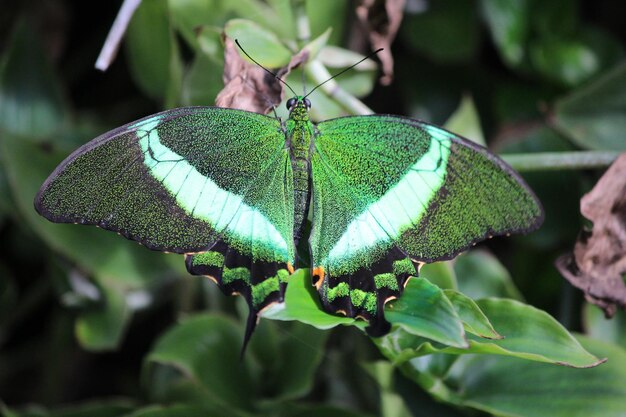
[290, 268]
[318, 272]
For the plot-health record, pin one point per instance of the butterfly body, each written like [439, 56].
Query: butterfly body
[299, 134]
[233, 190]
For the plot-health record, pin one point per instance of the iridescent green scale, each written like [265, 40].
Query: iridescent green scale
[232, 190]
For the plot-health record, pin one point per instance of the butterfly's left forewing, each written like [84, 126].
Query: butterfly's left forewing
[190, 180]
[390, 193]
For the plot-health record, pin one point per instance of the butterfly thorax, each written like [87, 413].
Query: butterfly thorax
[300, 141]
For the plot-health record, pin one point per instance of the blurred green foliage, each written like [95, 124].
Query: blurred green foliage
[93, 325]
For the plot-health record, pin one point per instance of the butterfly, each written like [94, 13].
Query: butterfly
[233, 190]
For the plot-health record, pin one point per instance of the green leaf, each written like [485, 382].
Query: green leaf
[325, 14]
[102, 328]
[531, 333]
[424, 30]
[594, 116]
[424, 310]
[441, 274]
[567, 61]
[200, 358]
[203, 79]
[508, 23]
[302, 304]
[599, 327]
[260, 43]
[528, 333]
[391, 404]
[301, 355]
[481, 275]
[465, 121]
[152, 52]
[31, 103]
[189, 15]
[474, 320]
[516, 388]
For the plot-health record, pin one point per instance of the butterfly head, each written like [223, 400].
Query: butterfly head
[298, 101]
[298, 107]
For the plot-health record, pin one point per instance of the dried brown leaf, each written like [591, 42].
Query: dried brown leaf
[598, 264]
[247, 86]
[381, 19]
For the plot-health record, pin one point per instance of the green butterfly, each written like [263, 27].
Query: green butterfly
[232, 190]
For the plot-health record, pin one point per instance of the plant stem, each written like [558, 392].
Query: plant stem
[551, 161]
[302, 22]
[318, 72]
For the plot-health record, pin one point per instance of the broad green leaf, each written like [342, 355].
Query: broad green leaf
[188, 15]
[508, 23]
[474, 320]
[391, 404]
[517, 388]
[594, 116]
[531, 333]
[152, 52]
[528, 333]
[263, 45]
[441, 274]
[566, 61]
[481, 275]
[102, 328]
[572, 59]
[465, 121]
[425, 311]
[302, 304]
[202, 82]
[300, 353]
[325, 14]
[458, 42]
[202, 355]
[599, 327]
[31, 103]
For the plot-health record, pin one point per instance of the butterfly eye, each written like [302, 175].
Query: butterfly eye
[307, 103]
[291, 102]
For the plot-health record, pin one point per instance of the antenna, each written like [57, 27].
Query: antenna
[341, 72]
[265, 69]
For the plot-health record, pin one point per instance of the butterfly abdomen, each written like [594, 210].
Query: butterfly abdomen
[300, 134]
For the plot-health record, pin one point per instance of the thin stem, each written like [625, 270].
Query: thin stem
[114, 38]
[552, 161]
[302, 22]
